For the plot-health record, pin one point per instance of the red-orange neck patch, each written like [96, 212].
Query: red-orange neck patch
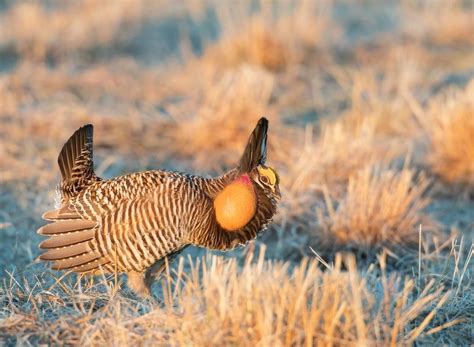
[244, 179]
[236, 204]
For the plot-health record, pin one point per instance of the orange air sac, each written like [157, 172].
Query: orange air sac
[235, 206]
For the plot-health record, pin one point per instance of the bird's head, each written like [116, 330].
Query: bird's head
[267, 179]
[255, 184]
[253, 161]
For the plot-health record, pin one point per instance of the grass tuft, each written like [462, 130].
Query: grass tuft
[256, 46]
[277, 37]
[442, 23]
[450, 128]
[381, 208]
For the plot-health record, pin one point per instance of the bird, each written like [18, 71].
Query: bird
[138, 223]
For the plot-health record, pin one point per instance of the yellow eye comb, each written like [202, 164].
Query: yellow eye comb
[268, 172]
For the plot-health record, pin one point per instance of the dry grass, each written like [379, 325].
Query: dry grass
[119, 82]
[257, 46]
[441, 22]
[341, 149]
[377, 127]
[220, 303]
[36, 32]
[377, 96]
[450, 127]
[280, 36]
[211, 126]
[381, 208]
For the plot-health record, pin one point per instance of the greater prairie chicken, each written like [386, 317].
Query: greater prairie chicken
[132, 223]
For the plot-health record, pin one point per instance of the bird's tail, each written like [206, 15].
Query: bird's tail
[76, 163]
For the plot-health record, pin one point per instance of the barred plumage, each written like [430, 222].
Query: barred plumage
[132, 223]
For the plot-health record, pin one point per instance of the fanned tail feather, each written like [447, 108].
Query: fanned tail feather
[64, 212]
[67, 252]
[71, 244]
[74, 262]
[65, 226]
[68, 239]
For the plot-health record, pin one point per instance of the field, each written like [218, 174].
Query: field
[371, 109]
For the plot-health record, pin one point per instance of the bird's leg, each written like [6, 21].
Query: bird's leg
[154, 272]
[136, 282]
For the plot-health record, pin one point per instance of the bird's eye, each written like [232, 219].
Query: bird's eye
[264, 180]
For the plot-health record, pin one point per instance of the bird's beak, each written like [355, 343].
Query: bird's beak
[277, 192]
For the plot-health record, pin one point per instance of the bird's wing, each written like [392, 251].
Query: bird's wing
[129, 227]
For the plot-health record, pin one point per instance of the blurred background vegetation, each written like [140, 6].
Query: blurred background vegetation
[371, 109]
